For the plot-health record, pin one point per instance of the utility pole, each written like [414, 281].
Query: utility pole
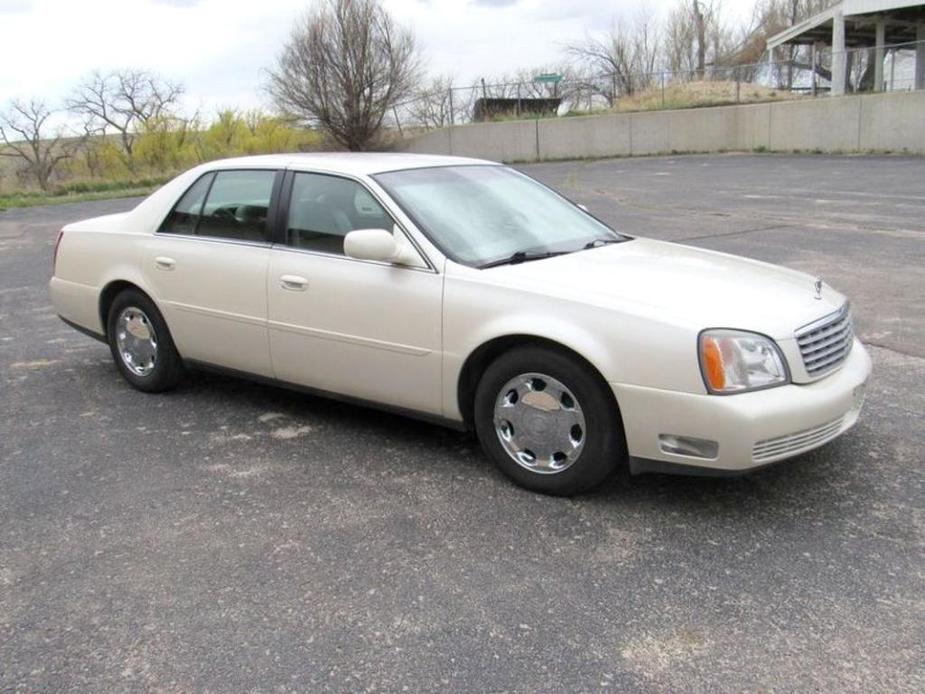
[700, 27]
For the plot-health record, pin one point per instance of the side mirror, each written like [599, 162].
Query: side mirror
[370, 244]
[381, 246]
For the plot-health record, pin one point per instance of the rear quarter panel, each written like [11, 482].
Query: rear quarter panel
[87, 262]
[95, 252]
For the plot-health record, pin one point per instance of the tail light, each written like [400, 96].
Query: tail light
[54, 262]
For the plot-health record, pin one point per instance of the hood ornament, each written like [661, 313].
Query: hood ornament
[818, 287]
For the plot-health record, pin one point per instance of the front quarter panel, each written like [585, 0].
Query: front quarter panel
[623, 344]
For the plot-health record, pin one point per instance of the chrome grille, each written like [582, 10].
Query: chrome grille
[796, 442]
[826, 343]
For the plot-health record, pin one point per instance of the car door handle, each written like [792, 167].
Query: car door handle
[293, 283]
[162, 262]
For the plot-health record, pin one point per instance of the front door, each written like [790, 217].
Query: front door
[364, 329]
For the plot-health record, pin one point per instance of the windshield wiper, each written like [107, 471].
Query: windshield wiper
[521, 257]
[524, 256]
[601, 242]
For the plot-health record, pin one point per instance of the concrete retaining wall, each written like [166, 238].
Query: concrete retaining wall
[827, 124]
[893, 122]
[585, 136]
[753, 127]
[507, 141]
[872, 122]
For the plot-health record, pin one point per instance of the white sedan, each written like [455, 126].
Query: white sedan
[465, 292]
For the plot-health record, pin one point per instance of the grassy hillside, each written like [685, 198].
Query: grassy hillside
[101, 168]
[697, 94]
[82, 191]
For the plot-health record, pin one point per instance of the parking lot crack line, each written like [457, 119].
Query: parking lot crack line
[738, 232]
[894, 350]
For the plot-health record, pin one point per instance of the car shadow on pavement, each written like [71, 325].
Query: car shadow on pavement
[798, 492]
[807, 474]
[226, 401]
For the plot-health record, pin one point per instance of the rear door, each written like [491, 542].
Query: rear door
[208, 267]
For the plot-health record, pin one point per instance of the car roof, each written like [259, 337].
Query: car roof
[355, 163]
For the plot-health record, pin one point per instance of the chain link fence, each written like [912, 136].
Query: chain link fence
[805, 73]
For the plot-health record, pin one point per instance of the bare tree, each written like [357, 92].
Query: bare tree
[431, 105]
[521, 87]
[24, 134]
[696, 36]
[125, 103]
[523, 83]
[624, 60]
[345, 67]
[773, 16]
[700, 31]
[748, 43]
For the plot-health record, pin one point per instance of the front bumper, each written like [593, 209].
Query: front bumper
[752, 429]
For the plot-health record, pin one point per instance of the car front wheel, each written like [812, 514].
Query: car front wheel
[141, 344]
[548, 421]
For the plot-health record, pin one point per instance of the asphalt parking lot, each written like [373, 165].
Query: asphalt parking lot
[233, 537]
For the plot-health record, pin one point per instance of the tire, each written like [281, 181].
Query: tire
[152, 371]
[548, 393]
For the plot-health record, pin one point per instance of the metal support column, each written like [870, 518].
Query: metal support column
[839, 57]
[878, 55]
[920, 57]
[813, 63]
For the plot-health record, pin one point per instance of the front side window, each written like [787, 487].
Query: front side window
[478, 215]
[324, 209]
[237, 206]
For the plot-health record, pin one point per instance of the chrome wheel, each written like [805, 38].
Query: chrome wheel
[136, 341]
[539, 423]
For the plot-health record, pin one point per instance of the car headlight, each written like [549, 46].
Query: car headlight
[734, 361]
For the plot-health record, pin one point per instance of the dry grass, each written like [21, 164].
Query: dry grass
[62, 197]
[697, 94]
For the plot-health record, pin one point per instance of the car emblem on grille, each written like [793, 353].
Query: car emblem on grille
[818, 287]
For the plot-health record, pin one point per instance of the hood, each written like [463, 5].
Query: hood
[689, 286]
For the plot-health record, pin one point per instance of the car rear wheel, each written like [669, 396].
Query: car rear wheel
[141, 344]
[548, 421]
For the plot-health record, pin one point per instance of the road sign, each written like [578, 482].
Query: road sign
[548, 77]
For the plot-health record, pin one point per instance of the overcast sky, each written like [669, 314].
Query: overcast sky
[219, 48]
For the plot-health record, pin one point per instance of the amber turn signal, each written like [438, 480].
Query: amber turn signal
[713, 364]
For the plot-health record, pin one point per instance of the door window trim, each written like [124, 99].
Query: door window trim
[272, 210]
[278, 234]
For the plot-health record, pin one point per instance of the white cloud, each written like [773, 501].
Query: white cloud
[494, 3]
[10, 6]
[220, 48]
[216, 47]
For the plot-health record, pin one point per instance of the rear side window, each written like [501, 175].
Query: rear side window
[324, 209]
[185, 215]
[227, 204]
[237, 206]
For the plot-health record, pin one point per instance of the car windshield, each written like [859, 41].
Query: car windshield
[482, 215]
